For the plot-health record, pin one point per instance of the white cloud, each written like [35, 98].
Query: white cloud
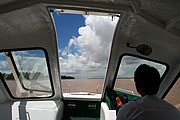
[30, 63]
[64, 53]
[71, 42]
[3, 64]
[96, 37]
[4, 67]
[129, 64]
[92, 47]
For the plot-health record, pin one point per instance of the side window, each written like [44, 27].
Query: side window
[125, 77]
[26, 73]
[173, 96]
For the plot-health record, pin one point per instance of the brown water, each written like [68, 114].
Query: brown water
[96, 86]
[173, 96]
[82, 85]
[90, 85]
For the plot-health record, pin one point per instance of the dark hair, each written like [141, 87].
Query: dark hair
[148, 79]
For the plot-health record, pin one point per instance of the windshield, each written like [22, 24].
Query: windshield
[84, 43]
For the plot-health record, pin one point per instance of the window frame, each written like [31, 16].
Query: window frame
[140, 57]
[48, 68]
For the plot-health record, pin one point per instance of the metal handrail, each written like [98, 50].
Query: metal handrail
[69, 87]
[97, 88]
[125, 90]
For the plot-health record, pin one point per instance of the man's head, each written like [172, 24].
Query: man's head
[147, 79]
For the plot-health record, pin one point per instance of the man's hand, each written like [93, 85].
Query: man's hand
[119, 102]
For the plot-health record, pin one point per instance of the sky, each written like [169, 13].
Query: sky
[26, 61]
[65, 24]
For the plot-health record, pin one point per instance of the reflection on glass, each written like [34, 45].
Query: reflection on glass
[125, 76]
[26, 73]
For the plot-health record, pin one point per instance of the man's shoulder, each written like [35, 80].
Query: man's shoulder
[132, 104]
[130, 109]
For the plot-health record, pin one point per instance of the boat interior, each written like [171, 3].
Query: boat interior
[41, 78]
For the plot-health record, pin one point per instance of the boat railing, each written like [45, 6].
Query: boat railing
[98, 89]
[124, 90]
[69, 87]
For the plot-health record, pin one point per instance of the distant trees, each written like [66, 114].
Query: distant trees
[8, 76]
[67, 77]
[32, 76]
[26, 75]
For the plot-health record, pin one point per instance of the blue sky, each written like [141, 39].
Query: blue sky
[68, 30]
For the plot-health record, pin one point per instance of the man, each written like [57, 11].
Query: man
[147, 81]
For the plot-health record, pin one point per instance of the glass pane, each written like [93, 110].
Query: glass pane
[84, 45]
[173, 96]
[125, 77]
[26, 73]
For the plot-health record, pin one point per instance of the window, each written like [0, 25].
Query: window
[84, 45]
[125, 77]
[26, 73]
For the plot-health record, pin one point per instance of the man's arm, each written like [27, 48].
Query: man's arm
[123, 112]
[123, 108]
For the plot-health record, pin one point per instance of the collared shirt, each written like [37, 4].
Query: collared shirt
[148, 108]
